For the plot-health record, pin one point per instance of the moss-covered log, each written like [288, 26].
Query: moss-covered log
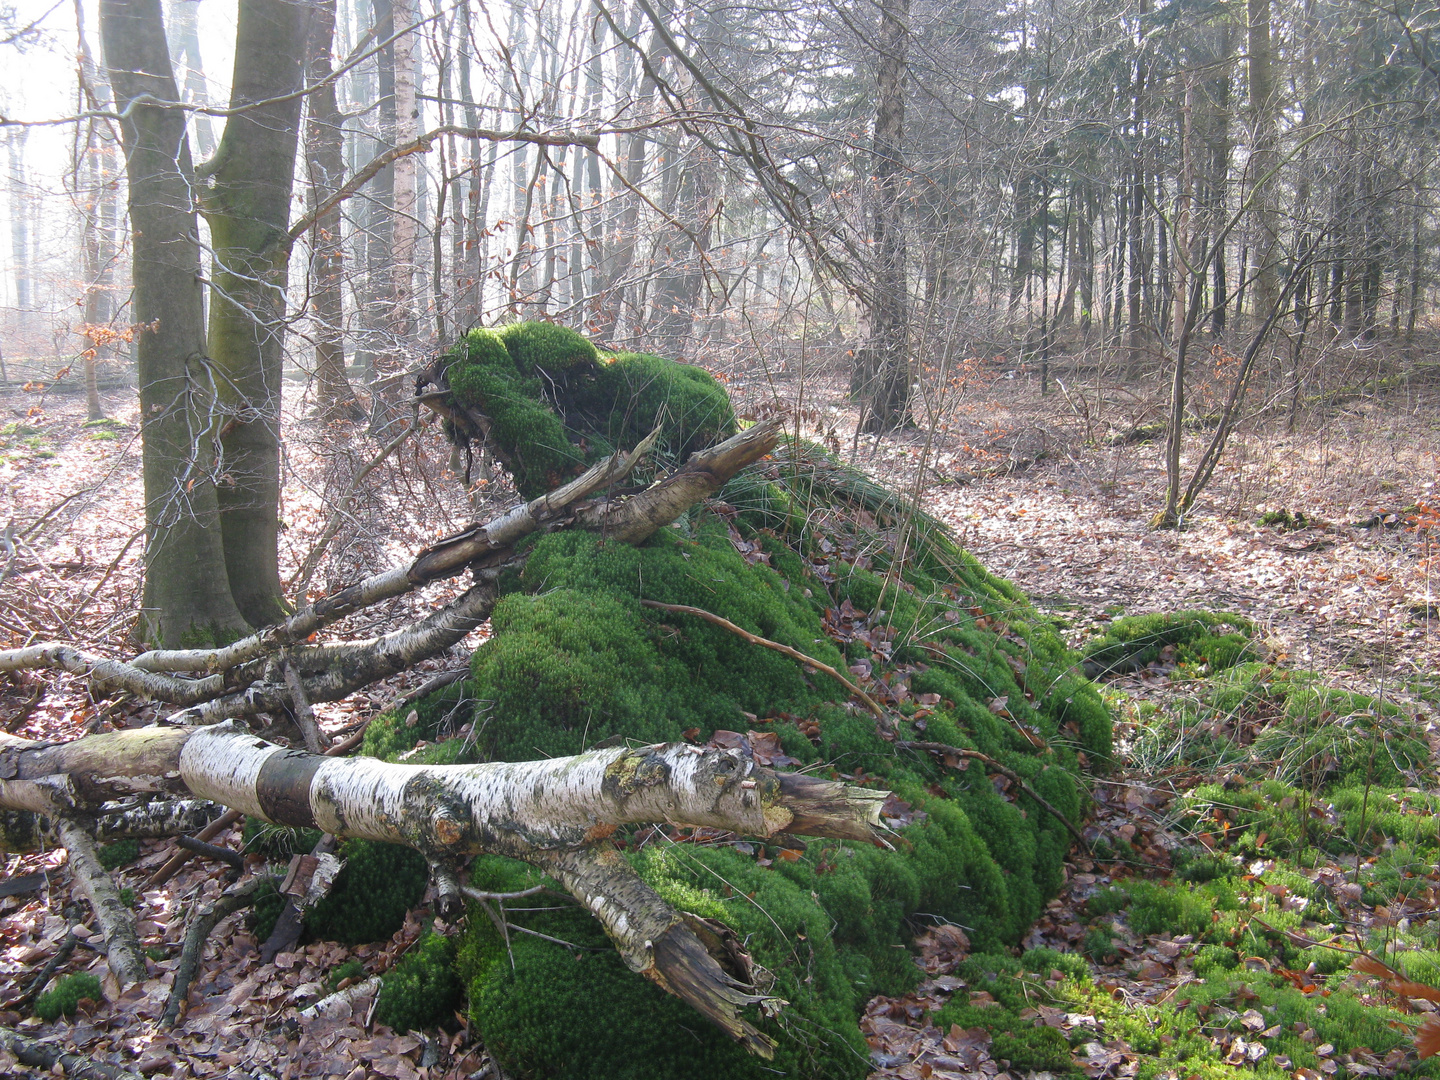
[693, 758]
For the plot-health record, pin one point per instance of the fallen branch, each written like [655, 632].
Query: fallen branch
[122, 943]
[37, 984]
[942, 750]
[233, 684]
[339, 1005]
[196, 934]
[232, 859]
[785, 650]
[300, 709]
[180, 858]
[47, 1055]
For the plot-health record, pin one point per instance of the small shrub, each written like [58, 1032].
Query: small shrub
[63, 999]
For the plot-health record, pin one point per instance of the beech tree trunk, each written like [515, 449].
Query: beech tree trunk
[248, 208]
[882, 372]
[187, 596]
[325, 162]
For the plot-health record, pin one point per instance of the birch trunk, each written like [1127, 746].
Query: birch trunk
[556, 814]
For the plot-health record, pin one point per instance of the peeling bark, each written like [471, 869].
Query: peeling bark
[554, 814]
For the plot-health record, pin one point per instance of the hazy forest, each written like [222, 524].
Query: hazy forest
[655, 540]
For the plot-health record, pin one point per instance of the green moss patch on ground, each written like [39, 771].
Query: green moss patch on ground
[1216, 640]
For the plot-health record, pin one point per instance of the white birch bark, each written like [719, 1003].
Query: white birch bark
[557, 814]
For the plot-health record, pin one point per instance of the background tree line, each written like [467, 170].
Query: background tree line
[891, 187]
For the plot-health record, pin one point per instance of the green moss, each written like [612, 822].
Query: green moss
[1194, 636]
[351, 969]
[120, 853]
[549, 347]
[438, 717]
[371, 895]
[636, 392]
[423, 990]
[555, 404]
[264, 911]
[793, 548]
[1099, 946]
[1015, 986]
[1284, 520]
[64, 998]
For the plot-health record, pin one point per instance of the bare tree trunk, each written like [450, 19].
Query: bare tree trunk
[187, 594]
[883, 365]
[325, 166]
[248, 208]
[405, 236]
[1265, 156]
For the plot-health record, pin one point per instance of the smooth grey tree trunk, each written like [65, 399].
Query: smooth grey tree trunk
[187, 595]
[247, 205]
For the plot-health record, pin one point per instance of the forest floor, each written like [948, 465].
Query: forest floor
[1048, 492]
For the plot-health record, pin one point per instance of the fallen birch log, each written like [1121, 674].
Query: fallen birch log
[556, 814]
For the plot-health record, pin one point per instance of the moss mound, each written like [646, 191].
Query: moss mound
[556, 404]
[63, 999]
[575, 659]
[799, 550]
[1216, 639]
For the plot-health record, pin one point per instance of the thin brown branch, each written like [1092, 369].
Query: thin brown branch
[786, 650]
[943, 750]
